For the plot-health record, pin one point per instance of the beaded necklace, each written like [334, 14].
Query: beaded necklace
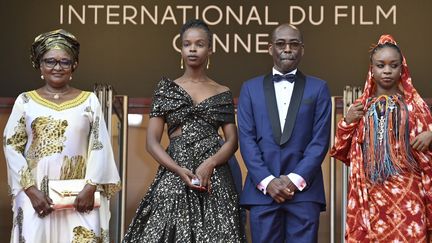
[386, 147]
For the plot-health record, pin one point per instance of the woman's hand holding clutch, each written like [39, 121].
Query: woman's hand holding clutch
[204, 173]
[186, 176]
[84, 202]
[41, 203]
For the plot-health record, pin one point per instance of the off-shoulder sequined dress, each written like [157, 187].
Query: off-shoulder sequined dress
[170, 211]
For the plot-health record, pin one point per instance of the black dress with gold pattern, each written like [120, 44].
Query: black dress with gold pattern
[171, 211]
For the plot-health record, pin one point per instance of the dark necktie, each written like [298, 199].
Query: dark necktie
[288, 77]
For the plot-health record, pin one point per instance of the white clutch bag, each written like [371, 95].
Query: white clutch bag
[64, 192]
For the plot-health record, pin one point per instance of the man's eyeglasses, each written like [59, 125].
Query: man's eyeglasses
[294, 45]
[52, 62]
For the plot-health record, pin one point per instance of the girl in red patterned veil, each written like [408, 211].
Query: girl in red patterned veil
[385, 138]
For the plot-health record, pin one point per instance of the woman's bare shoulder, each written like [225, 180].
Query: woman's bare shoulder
[219, 87]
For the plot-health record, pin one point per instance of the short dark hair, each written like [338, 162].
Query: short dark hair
[387, 44]
[286, 25]
[197, 23]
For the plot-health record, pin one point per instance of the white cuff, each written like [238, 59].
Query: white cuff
[297, 180]
[262, 186]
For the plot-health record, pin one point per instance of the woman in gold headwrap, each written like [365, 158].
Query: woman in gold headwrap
[385, 138]
[57, 132]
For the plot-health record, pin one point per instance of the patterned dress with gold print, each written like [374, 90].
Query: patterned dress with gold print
[43, 140]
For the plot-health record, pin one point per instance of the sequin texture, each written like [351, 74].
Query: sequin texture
[170, 211]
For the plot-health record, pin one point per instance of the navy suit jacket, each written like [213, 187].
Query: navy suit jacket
[301, 146]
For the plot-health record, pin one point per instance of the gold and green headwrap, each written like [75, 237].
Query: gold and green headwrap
[56, 39]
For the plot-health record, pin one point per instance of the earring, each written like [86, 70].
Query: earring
[208, 63]
[181, 63]
[42, 77]
[70, 78]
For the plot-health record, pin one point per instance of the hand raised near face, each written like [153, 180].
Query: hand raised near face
[355, 113]
[279, 191]
[422, 142]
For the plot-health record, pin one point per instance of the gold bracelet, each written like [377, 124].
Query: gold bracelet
[90, 182]
[28, 186]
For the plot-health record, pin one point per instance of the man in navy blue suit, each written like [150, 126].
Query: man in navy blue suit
[284, 130]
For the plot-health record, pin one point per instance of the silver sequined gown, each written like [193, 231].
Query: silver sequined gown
[171, 212]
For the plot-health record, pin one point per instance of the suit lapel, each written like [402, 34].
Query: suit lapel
[272, 110]
[294, 106]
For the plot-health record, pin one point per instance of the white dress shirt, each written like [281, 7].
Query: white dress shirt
[283, 92]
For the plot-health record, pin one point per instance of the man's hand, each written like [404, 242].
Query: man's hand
[290, 184]
[278, 189]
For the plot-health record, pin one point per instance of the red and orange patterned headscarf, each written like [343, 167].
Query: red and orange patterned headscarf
[420, 116]
[350, 151]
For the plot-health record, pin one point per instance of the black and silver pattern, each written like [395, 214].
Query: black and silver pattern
[171, 212]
